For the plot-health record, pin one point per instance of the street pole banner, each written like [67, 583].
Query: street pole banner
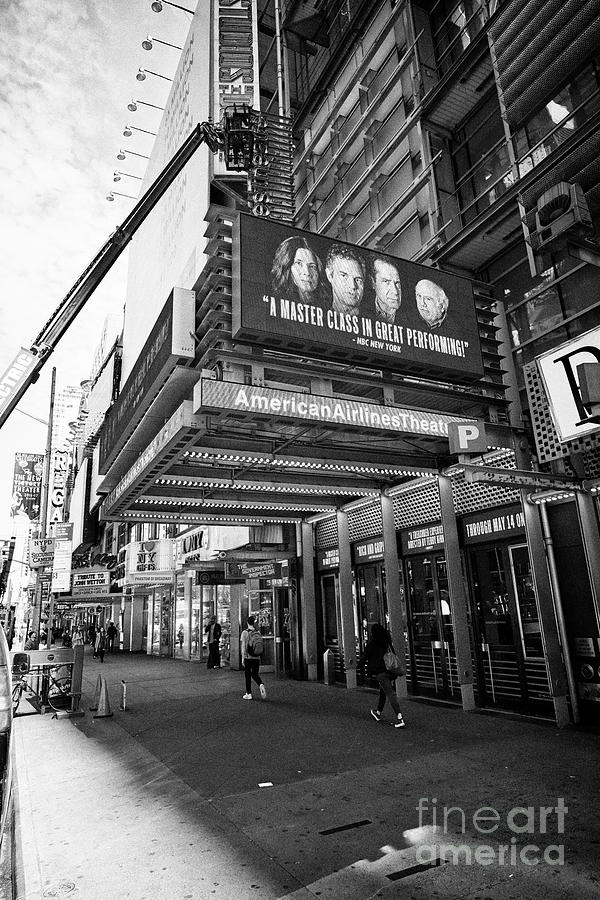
[27, 485]
[41, 552]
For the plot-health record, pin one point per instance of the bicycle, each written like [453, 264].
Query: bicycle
[55, 689]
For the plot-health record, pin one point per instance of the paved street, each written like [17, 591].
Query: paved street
[194, 793]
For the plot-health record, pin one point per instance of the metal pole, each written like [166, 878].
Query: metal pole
[560, 617]
[280, 93]
[37, 615]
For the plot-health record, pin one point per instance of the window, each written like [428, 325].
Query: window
[529, 620]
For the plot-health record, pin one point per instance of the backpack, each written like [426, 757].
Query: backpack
[254, 647]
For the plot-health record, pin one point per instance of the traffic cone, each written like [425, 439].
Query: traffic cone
[103, 705]
[96, 693]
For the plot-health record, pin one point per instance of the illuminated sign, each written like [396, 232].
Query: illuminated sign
[328, 559]
[558, 369]
[149, 562]
[308, 293]
[422, 539]
[366, 551]
[253, 400]
[493, 524]
[171, 341]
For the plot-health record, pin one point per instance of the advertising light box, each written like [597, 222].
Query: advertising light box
[304, 292]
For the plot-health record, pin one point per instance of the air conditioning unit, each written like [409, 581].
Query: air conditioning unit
[560, 211]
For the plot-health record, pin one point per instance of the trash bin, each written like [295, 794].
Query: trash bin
[329, 667]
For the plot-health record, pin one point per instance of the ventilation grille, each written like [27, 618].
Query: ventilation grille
[536, 43]
[547, 444]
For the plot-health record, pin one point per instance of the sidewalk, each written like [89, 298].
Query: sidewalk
[165, 800]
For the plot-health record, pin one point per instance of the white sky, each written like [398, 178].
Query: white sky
[67, 73]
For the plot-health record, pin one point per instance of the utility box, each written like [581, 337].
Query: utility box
[329, 667]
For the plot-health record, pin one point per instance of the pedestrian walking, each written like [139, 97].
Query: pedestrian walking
[213, 632]
[92, 635]
[77, 636]
[252, 648]
[67, 640]
[111, 633]
[384, 668]
[100, 645]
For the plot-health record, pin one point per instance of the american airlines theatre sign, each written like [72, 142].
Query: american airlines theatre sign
[254, 400]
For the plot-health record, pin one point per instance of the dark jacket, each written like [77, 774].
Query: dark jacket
[372, 657]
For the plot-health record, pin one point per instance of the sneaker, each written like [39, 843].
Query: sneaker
[376, 715]
[263, 692]
[399, 723]
[247, 697]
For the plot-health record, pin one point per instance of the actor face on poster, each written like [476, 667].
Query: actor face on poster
[345, 272]
[385, 280]
[297, 272]
[432, 302]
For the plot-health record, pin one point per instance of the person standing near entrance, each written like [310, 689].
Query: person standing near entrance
[213, 632]
[100, 645]
[252, 648]
[373, 655]
[111, 633]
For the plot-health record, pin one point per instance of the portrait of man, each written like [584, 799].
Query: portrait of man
[297, 272]
[345, 272]
[432, 302]
[385, 280]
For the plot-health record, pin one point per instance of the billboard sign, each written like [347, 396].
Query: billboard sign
[149, 562]
[27, 485]
[558, 368]
[41, 552]
[307, 293]
[171, 342]
[254, 400]
[90, 583]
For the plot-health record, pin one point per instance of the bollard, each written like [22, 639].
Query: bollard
[329, 667]
[96, 699]
[103, 710]
[123, 705]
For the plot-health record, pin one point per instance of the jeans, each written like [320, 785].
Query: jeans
[251, 667]
[387, 691]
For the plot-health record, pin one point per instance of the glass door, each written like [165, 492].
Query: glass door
[430, 629]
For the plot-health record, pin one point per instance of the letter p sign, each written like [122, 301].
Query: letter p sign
[467, 437]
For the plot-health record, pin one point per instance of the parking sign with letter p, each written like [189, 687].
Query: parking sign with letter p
[467, 437]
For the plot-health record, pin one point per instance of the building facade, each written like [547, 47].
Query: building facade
[451, 146]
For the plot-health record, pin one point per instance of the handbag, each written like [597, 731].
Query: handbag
[392, 663]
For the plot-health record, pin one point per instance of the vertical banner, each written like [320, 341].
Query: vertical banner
[61, 566]
[58, 481]
[234, 63]
[27, 485]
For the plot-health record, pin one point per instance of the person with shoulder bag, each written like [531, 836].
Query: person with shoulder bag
[383, 665]
[252, 648]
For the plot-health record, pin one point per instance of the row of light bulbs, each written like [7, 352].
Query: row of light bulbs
[132, 106]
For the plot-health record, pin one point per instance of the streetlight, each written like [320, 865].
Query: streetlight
[122, 153]
[112, 194]
[117, 176]
[148, 43]
[141, 74]
[133, 105]
[129, 129]
[157, 6]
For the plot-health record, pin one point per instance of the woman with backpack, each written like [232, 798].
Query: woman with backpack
[376, 648]
[252, 648]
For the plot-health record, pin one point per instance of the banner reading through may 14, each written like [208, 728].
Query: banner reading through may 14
[302, 291]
